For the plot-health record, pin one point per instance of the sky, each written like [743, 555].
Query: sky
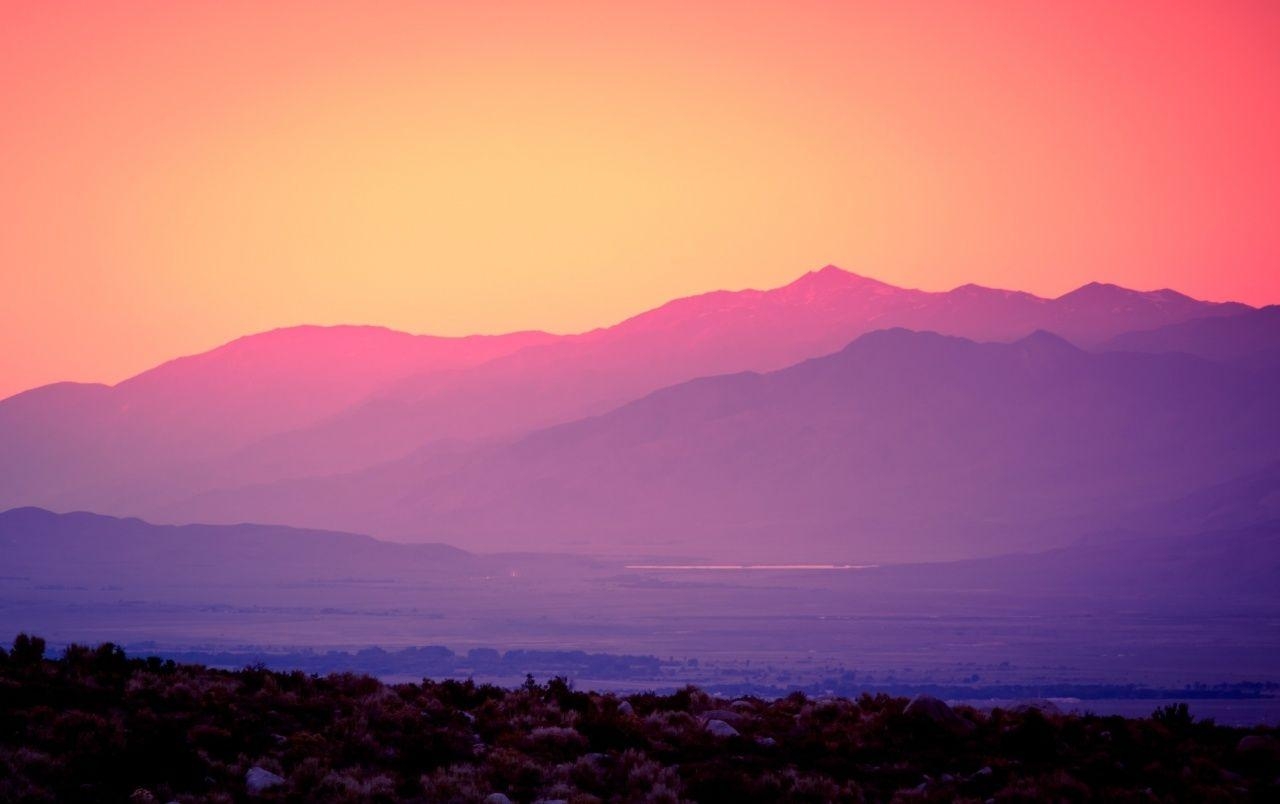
[174, 175]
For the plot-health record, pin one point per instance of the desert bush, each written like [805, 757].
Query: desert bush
[97, 725]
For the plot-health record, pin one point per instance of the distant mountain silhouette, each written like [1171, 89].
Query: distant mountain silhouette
[714, 333]
[58, 441]
[1211, 569]
[903, 446]
[1220, 568]
[82, 547]
[1249, 338]
[1240, 502]
[317, 401]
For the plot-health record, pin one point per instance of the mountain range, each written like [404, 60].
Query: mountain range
[901, 445]
[836, 417]
[50, 555]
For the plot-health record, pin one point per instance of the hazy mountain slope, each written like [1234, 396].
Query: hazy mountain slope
[1250, 338]
[1190, 571]
[79, 548]
[314, 401]
[60, 442]
[1243, 501]
[902, 447]
[714, 333]
[90, 553]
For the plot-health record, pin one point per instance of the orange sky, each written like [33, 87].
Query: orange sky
[173, 175]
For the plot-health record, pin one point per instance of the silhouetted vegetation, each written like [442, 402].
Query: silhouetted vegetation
[437, 661]
[96, 725]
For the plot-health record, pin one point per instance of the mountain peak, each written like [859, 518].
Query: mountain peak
[1168, 294]
[1107, 293]
[27, 513]
[894, 340]
[831, 277]
[1045, 342]
[971, 291]
[827, 273]
[1094, 290]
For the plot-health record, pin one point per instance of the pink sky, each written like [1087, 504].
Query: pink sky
[175, 175]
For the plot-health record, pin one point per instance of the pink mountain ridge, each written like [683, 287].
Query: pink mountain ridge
[608, 441]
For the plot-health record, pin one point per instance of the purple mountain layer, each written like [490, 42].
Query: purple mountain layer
[318, 401]
[903, 446]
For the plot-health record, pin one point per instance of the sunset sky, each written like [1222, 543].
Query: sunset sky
[173, 175]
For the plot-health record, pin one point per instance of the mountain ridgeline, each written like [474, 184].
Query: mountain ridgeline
[836, 418]
[901, 446]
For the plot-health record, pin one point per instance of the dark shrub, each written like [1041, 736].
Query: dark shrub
[27, 650]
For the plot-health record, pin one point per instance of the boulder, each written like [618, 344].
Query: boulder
[625, 708]
[927, 707]
[727, 715]
[259, 780]
[1041, 705]
[555, 734]
[496, 798]
[720, 729]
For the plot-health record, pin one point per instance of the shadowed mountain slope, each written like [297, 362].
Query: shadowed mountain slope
[714, 333]
[80, 548]
[1250, 338]
[903, 446]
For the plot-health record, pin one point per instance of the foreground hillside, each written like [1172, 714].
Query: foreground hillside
[96, 725]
